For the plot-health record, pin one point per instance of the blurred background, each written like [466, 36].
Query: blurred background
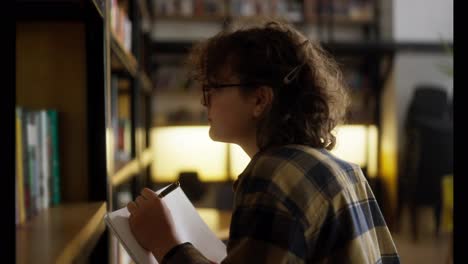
[145, 126]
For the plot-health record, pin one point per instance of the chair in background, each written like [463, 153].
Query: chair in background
[428, 154]
[192, 186]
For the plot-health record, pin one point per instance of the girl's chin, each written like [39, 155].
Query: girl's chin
[217, 137]
[213, 135]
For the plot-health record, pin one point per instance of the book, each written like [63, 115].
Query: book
[54, 179]
[310, 9]
[115, 111]
[19, 167]
[25, 162]
[39, 176]
[189, 226]
[45, 158]
[32, 161]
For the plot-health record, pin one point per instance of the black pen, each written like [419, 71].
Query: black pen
[169, 189]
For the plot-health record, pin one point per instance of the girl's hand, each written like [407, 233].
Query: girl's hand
[152, 225]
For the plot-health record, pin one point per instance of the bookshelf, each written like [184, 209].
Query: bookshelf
[67, 55]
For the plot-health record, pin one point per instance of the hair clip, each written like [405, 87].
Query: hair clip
[292, 74]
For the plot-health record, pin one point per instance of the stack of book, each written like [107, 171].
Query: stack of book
[37, 162]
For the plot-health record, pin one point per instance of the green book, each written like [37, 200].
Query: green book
[25, 162]
[55, 154]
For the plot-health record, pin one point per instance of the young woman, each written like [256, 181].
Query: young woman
[278, 95]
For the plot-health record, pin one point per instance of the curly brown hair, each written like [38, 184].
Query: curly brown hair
[303, 111]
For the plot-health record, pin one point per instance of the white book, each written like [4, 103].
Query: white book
[45, 158]
[189, 226]
[32, 157]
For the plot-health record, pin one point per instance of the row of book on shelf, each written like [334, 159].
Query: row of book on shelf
[37, 162]
[120, 119]
[291, 10]
[121, 24]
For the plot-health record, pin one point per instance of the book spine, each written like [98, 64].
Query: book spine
[45, 158]
[17, 162]
[199, 8]
[310, 9]
[53, 117]
[127, 138]
[39, 176]
[114, 113]
[32, 145]
[26, 181]
[127, 34]
[19, 167]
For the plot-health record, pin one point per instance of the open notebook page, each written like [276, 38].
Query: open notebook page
[189, 225]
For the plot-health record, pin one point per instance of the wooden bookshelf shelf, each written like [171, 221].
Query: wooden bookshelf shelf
[121, 59]
[60, 234]
[126, 172]
[146, 157]
[131, 168]
[146, 83]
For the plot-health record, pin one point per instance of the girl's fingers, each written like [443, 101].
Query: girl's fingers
[148, 194]
[140, 200]
[132, 207]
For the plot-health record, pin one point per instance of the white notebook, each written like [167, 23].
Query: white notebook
[190, 227]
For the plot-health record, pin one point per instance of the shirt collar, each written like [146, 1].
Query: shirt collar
[248, 168]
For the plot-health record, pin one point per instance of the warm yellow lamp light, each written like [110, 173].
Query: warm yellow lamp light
[187, 148]
[372, 151]
[358, 144]
[190, 148]
[239, 160]
[355, 143]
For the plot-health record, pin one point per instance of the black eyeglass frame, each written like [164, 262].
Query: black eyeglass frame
[208, 87]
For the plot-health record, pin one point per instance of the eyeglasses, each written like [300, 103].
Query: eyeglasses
[209, 88]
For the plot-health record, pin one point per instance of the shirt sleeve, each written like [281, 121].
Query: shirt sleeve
[186, 253]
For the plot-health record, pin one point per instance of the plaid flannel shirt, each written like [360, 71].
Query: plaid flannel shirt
[297, 204]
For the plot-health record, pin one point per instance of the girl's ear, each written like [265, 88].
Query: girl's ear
[263, 97]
